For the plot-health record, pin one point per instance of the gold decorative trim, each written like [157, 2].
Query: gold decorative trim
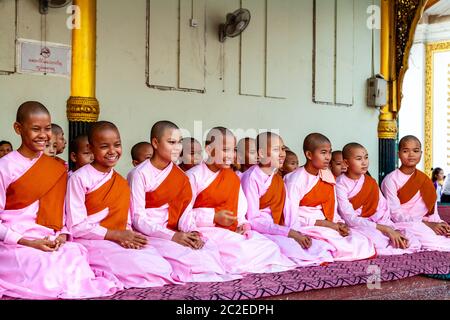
[431, 49]
[387, 129]
[83, 109]
[407, 16]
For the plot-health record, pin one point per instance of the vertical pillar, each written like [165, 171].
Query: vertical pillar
[387, 126]
[82, 106]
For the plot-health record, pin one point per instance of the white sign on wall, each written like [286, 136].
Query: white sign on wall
[41, 58]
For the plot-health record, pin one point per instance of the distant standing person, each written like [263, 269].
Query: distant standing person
[438, 178]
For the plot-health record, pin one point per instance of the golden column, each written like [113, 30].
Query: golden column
[399, 20]
[82, 106]
[387, 126]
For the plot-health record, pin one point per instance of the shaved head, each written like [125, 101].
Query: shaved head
[5, 142]
[348, 149]
[217, 132]
[56, 129]
[75, 143]
[313, 141]
[160, 127]
[100, 126]
[406, 139]
[263, 140]
[189, 140]
[29, 108]
[290, 163]
[137, 148]
[336, 153]
[243, 142]
[289, 153]
[243, 146]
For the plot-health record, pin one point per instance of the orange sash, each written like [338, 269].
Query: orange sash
[275, 198]
[60, 160]
[176, 191]
[45, 181]
[221, 194]
[321, 194]
[114, 195]
[367, 197]
[419, 181]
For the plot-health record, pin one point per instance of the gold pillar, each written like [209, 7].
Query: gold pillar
[387, 126]
[82, 105]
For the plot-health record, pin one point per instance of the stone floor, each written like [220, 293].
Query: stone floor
[414, 288]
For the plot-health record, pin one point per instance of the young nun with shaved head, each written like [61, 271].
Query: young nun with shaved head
[290, 163]
[266, 196]
[98, 216]
[363, 207]
[413, 200]
[161, 209]
[36, 260]
[220, 208]
[60, 143]
[246, 155]
[337, 163]
[311, 191]
[140, 152]
[80, 153]
[191, 154]
[5, 148]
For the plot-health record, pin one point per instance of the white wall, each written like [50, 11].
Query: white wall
[412, 112]
[17, 88]
[126, 100]
[441, 118]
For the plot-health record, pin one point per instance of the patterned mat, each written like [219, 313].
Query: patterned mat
[444, 212]
[339, 274]
[303, 279]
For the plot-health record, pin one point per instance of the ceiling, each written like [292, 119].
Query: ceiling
[441, 8]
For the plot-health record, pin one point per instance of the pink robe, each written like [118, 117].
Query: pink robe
[134, 268]
[411, 214]
[255, 184]
[353, 247]
[30, 273]
[346, 189]
[248, 253]
[202, 265]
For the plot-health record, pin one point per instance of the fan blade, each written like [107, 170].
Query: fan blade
[236, 23]
[243, 16]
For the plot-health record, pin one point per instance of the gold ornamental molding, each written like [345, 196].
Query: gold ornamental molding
[387, 126]
[387, 129]
[431, 49]
[399, 19]
[407, 15]
[82, 109]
